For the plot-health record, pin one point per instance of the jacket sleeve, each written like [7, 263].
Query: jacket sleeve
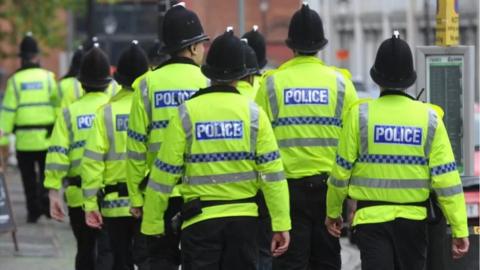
[55, 97]
[9, 107]
[350, 98]
[93, 164]
[165, 173]
[272, 178]
[446, 182]
[58, 162]
[262, 98]
[347, 153]
[137, 144]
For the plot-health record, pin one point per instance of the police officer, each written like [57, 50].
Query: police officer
[224, 154]
[69, 88]
[155, 55]
[306, 102]
[256, 42]
[104, 162]
[156, 96]
[28, 112]
[391, 152]
[66, 151]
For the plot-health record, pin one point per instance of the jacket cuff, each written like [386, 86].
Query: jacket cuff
[149, 228]
[136, 200]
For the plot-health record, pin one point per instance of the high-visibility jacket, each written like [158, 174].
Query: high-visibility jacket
[70, 89]
[68, 141]
[395, 149]
[225, 152]
[28, 108]
[104, 163]
[306, 102]
[156, 97]
[249, 90]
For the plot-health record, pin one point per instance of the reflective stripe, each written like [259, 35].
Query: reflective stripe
[344, 163]
[146, 100]
[49, 83]
[220, 178]
[363, 121]
[15, 89]
[187, 125]
[75, 163]
[442, 169]
[432, 126]
[213, 157]
[272, 177]
[60, 91]
[340, 95]
[267, 157]
[137, 136]
[393, 159]
[160, 187]
[298, 142]
[78, 144]
[158, 125]
[136, 155]
[112, 156]
[58, 149]
[163, 166]
[154, 147]
[272, 97]
[76, 88]
[93, 155]
[114, 88]
[449, 191]
[108, 204]
[337, 182]
[34, 104]
[68, 123]
[390, 183]
[254, 115]
[90, 192]
[307, 120]
[57, 167]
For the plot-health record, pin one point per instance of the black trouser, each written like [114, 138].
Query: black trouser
[86, 239]
[264, 236]
[221, 244]
[396, 245]
[164, 252]
[32, 167]
[121, 231]
[311, 246]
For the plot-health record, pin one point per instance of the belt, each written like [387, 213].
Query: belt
[223, 202]
[73, 181]
[363, 204]
[121, 188]
[48, 127]
[314, 181]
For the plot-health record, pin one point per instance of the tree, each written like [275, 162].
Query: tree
[41, 17]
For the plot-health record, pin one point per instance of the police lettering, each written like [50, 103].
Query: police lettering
[121, 122]
[219, 130]
[398, 135]
[31, 86]
[296, 96]
[171, 98]
[85, 121]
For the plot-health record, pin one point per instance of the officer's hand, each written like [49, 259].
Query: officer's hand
[334, 225]
[94, 219]
[280, 242]
[56, 205]
[136, 212]
[460, 247]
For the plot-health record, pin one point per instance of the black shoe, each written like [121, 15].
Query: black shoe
[33, 218]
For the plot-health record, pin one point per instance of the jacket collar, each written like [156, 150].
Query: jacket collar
[28, 65]
[216, 89]
[177, 60]
[391, 92]
[301, 59]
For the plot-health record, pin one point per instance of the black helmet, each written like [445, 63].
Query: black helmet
[305, 32]
[133, 63]
[393, 66]
[155, 55]
[181, 28]
[95, 70]
[75, 63]
[28, 46]
[257, 42]
[89, 43]
[226, 58]
[250, 58]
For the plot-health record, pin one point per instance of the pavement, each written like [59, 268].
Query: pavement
[50, 245]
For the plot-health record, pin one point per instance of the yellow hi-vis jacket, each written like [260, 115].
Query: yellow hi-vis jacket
[395, 149]
[156, 97]
[249, 90]
[70, 90]
[104, 163]
[306, 102]
[28, 108]
[68, 142]
[222, 146]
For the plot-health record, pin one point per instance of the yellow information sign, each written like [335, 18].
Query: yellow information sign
[447, 33]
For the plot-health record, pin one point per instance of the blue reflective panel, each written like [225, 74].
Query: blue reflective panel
[31, 86]
[398, 135]
[85, 121]
[219, 130]
[298, 96]
[121, 122]
[171, 98]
